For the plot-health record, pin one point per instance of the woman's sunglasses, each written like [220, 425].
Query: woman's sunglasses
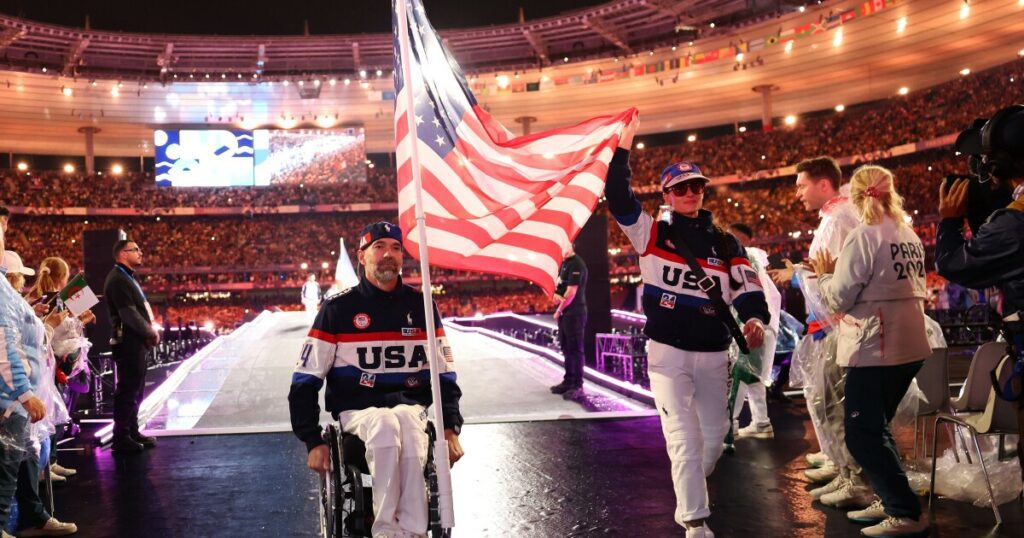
[679, 189]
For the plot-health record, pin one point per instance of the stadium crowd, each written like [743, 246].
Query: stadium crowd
[266, 249]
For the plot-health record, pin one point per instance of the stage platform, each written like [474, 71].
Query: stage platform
[240, 384]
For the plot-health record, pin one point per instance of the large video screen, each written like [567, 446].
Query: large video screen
[242, 158]
[312, 157]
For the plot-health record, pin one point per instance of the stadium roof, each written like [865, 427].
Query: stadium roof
[42, 112]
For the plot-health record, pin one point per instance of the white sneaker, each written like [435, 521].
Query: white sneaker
[872, 514]
[700, 532]
[851, 495]
[898, 526]
[836, 483]
[823, 474]
[757, 431]
[63, 471]
[817, 459]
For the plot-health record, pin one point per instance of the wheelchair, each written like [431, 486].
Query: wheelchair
[346, 494]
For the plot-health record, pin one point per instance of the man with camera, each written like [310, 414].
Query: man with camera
[994, 256]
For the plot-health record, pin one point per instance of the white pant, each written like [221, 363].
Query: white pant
[690, 392]
[757, 396]
[396, 451]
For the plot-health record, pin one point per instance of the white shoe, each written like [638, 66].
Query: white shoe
[56, 468]
[851, 495]
[757, 431]
[823, 474]
[898, 526]
[836, 483]
[700, 532]
[52, 527]
[817, 459]
[872, 514]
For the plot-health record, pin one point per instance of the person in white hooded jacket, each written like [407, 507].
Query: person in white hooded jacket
[878, 286]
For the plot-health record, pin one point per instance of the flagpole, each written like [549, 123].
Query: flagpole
[446, 507]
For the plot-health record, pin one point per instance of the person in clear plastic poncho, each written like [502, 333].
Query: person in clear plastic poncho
[813, 366]
[25, 365]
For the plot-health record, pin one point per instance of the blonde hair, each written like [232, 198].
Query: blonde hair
[51, 273]
[873, 192]
[17, 281]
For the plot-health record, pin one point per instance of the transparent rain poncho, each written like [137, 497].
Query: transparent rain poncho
[25, 339]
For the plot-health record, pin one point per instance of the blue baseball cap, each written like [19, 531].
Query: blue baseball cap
[680, 172]
[379, 230]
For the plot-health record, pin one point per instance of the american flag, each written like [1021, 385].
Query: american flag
[494, 202]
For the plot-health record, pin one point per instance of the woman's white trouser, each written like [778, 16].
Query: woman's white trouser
[690, 392]
[396, 451]
[757, 397]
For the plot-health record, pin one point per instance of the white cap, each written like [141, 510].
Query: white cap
[12, 262]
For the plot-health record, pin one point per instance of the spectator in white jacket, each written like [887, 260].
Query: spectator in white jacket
[878, 285]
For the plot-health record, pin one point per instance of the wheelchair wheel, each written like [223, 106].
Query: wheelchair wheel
[331, 525]
[433, 502]
[358, 503]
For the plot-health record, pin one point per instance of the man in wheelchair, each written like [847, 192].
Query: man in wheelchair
[369, 343]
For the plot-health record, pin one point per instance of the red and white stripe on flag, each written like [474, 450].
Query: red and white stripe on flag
[493, 202]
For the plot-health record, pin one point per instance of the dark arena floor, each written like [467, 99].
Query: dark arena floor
[588, 472]
[566, 478]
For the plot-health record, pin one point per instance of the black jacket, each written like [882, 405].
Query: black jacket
[993, 257]
[130, 319]
[678, 313]
[369, 345]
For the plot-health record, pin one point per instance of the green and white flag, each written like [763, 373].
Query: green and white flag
[77, 296]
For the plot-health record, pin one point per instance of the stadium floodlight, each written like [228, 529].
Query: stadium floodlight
[69, 168]
[903, 90]
[840, 108]
[691, 138]
[117, 169]
[22, 166]
[790, 120]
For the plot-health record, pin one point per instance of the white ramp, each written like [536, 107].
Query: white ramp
[242, 385]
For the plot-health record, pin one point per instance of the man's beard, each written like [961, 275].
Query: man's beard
[386, 272]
